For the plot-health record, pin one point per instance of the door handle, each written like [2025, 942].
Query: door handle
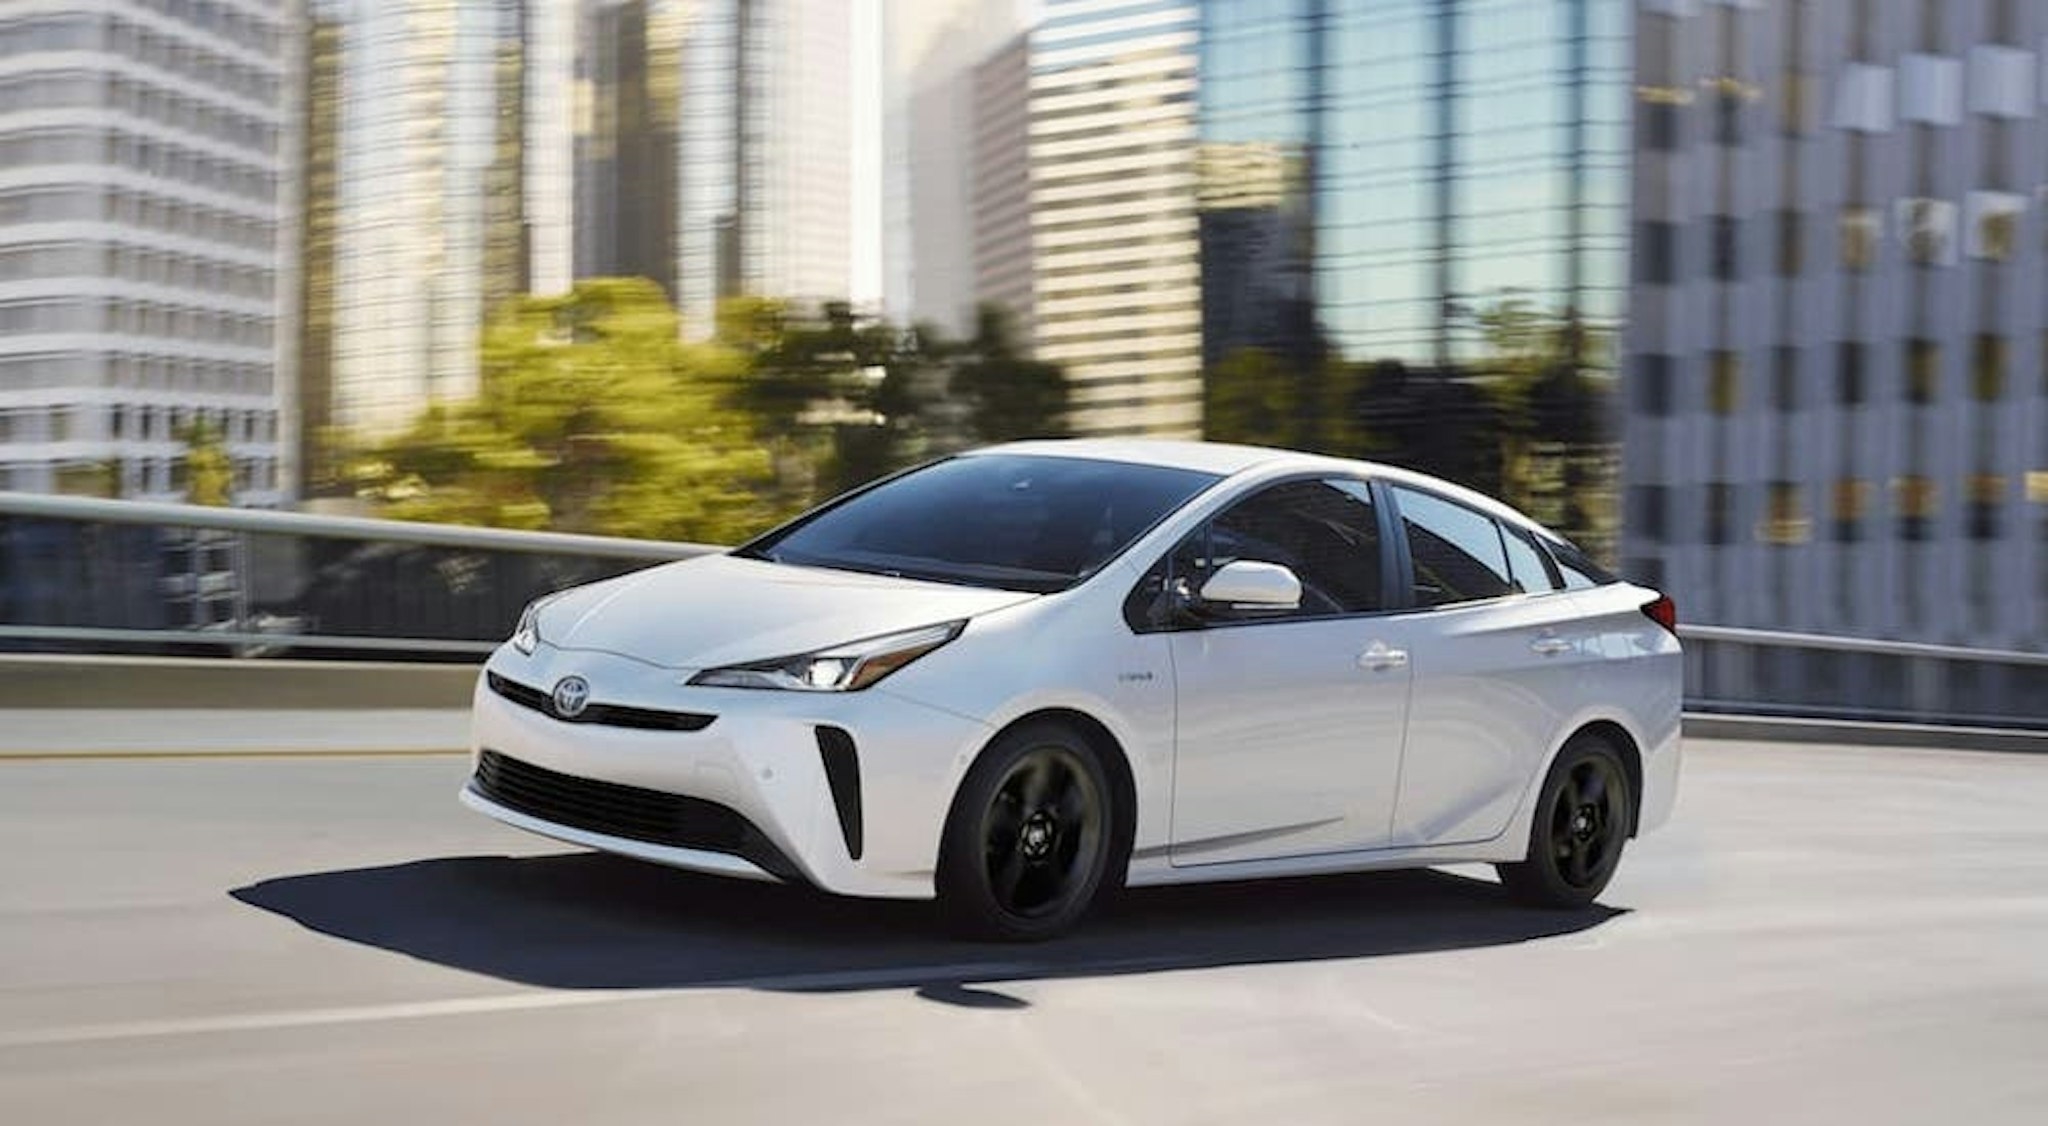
[1550, 646]
[1378, 657]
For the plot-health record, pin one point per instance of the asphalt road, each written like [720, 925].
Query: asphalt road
[1824, 935]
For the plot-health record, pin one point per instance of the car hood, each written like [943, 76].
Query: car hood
[724, 609]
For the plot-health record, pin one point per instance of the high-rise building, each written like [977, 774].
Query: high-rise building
[1433, 192]
[630, 74]
[414, 208]
[1836, 416]
[1116, 294]
[934, 60]
[1375, 174]
[999, 151]
[143, 149]
[766, 153]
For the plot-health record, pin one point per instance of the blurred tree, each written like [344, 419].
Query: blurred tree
[1251, 398]
[209, 471]
[1556, 446]
[591, 417]
[1008, 394]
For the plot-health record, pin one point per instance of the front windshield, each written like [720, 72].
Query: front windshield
[1010, 521]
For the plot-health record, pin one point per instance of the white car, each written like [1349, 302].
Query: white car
[1017, 677]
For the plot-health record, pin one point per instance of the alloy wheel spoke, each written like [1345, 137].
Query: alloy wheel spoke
[1578, 867]
[1006, 877]
[1593, 786]
[1037, 783]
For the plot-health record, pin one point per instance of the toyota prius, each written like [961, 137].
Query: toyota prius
[1019, 678]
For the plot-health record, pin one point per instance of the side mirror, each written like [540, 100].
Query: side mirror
[1251, 585]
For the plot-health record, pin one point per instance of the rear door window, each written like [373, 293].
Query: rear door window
[1457, 553]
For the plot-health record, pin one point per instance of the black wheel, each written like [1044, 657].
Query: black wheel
[1581, 823]
[1028, 841]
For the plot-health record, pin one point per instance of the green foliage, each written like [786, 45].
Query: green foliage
[209, 471]
[1009, 395]
[590, 417]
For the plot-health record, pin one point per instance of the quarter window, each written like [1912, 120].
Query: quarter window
[1525, 563]
[1457, 553]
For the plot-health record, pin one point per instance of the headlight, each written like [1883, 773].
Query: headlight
[842, 668]
[526, 635]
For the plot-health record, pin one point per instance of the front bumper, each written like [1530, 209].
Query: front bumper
[762, 759]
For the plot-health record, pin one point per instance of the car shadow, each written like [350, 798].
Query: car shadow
[590, 921]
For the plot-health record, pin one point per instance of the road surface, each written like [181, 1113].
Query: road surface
[1824, 934]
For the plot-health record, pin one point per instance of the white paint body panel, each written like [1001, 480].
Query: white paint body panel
[1262, 749]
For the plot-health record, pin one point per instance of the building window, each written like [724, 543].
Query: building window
[2001, 81]
[1657, 253]
[1785, 378]
[1730, 97]
[1849, 506]
[1727, 247]
[1931, 89]
[1791, 254]
[1863, 101]
[1860, 231]
[1659, 121]
[1720, 512]
[1650, 385]
[1923, 371]
[1785, 520]
[1987, 367]
[1649, 512]
[1916, 500]
[1987, 501]
[1995, 224]
[1928, 227]
[1796, 103]
[1724, 382]
[1849, 373]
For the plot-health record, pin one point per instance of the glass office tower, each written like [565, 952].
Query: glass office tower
[1376, 173]
[1432, 190]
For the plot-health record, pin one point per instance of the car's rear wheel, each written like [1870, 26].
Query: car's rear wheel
[1028, 840]
[1581, 823]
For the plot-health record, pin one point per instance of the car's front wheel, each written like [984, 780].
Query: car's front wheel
[1028, 841]
[1582, 821]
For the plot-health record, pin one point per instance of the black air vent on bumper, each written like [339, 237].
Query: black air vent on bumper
[629, 812]
[842, 774]
[606, 715]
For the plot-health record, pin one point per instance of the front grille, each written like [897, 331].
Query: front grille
[636, 814]
[608, 715]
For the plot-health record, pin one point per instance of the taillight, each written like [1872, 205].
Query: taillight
[1664, 612]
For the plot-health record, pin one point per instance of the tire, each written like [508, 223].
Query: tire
[1584, 814]
[1028, 842]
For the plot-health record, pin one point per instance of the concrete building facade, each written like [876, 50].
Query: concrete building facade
[1837, 420]
[144, 154]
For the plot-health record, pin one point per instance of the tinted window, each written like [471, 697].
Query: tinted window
[1525, 562]
[1580, 573]
[1457, 553]
[1323, 531]
[1001, 520]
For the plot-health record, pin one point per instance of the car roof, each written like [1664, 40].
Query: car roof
[1219, 458]
[1227, 460]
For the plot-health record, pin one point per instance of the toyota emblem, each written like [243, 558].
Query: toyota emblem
[572, 695]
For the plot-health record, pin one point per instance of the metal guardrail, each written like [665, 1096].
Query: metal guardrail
[87, 575]
[1820, 676]
[80, 574]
